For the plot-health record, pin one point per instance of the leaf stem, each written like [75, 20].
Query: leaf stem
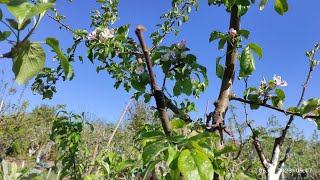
[10, 28]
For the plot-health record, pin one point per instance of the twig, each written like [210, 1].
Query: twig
[233, 97]
[279, 141]
[170, 26]
[206, 111]
[58, 21]
[256, 141]
[119, 122]
[6, 55]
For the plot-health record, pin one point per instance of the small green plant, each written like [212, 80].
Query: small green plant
[66, 132]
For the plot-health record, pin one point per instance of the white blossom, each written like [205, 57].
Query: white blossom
[106, 34]
[168, 55]
[278, 82]
[92, 35]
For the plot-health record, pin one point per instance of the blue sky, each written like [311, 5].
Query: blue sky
[284, 40]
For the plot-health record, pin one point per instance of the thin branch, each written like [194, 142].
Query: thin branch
[281, 164]
[32, 30]
[119, 122]
[176, 110]
[58, 21]
[6, 55]
[169, 103]
[233, 97]
[256, 141]
[170, 26]
[10, 28]
[279, 141]
[206, 111]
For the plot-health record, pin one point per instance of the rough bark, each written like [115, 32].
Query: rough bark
[223, 100]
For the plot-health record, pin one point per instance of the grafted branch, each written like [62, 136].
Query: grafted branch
[156, 91]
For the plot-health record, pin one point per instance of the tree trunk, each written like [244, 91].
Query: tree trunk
[222, 103]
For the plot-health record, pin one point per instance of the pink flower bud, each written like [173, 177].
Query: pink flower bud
[182, 44]
[139, 60]
[233, 32]
[182, 131]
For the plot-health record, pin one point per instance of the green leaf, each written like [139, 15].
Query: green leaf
[195, 165]
[149, 169]
[175, 124]
[227, 149]
[4, 1]
[254, 98]
[158, 135]
[147, 98]
[25, 24]
[203, 147]
[185, 18]
[176, 139]
[277, 102]
[262, 4]
[219, 68]
[172, 154]
[215, 35]
[243, 6]
[204, 134]
[4, 35]
[28, 61]
[138, 85]
[54, 44]
[124, 165]
[244, 33]
[221, 43]
[152, 150]
[247, 65]
[256, 48]
[280, 94]
[249, 90]
[281, 6]
[23, 11]
[309, 105]
[13, 23]
[229, 3]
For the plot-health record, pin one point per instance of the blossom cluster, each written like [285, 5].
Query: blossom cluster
[169, 55]
[101, 34]
[172, 55]
[264, 88]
